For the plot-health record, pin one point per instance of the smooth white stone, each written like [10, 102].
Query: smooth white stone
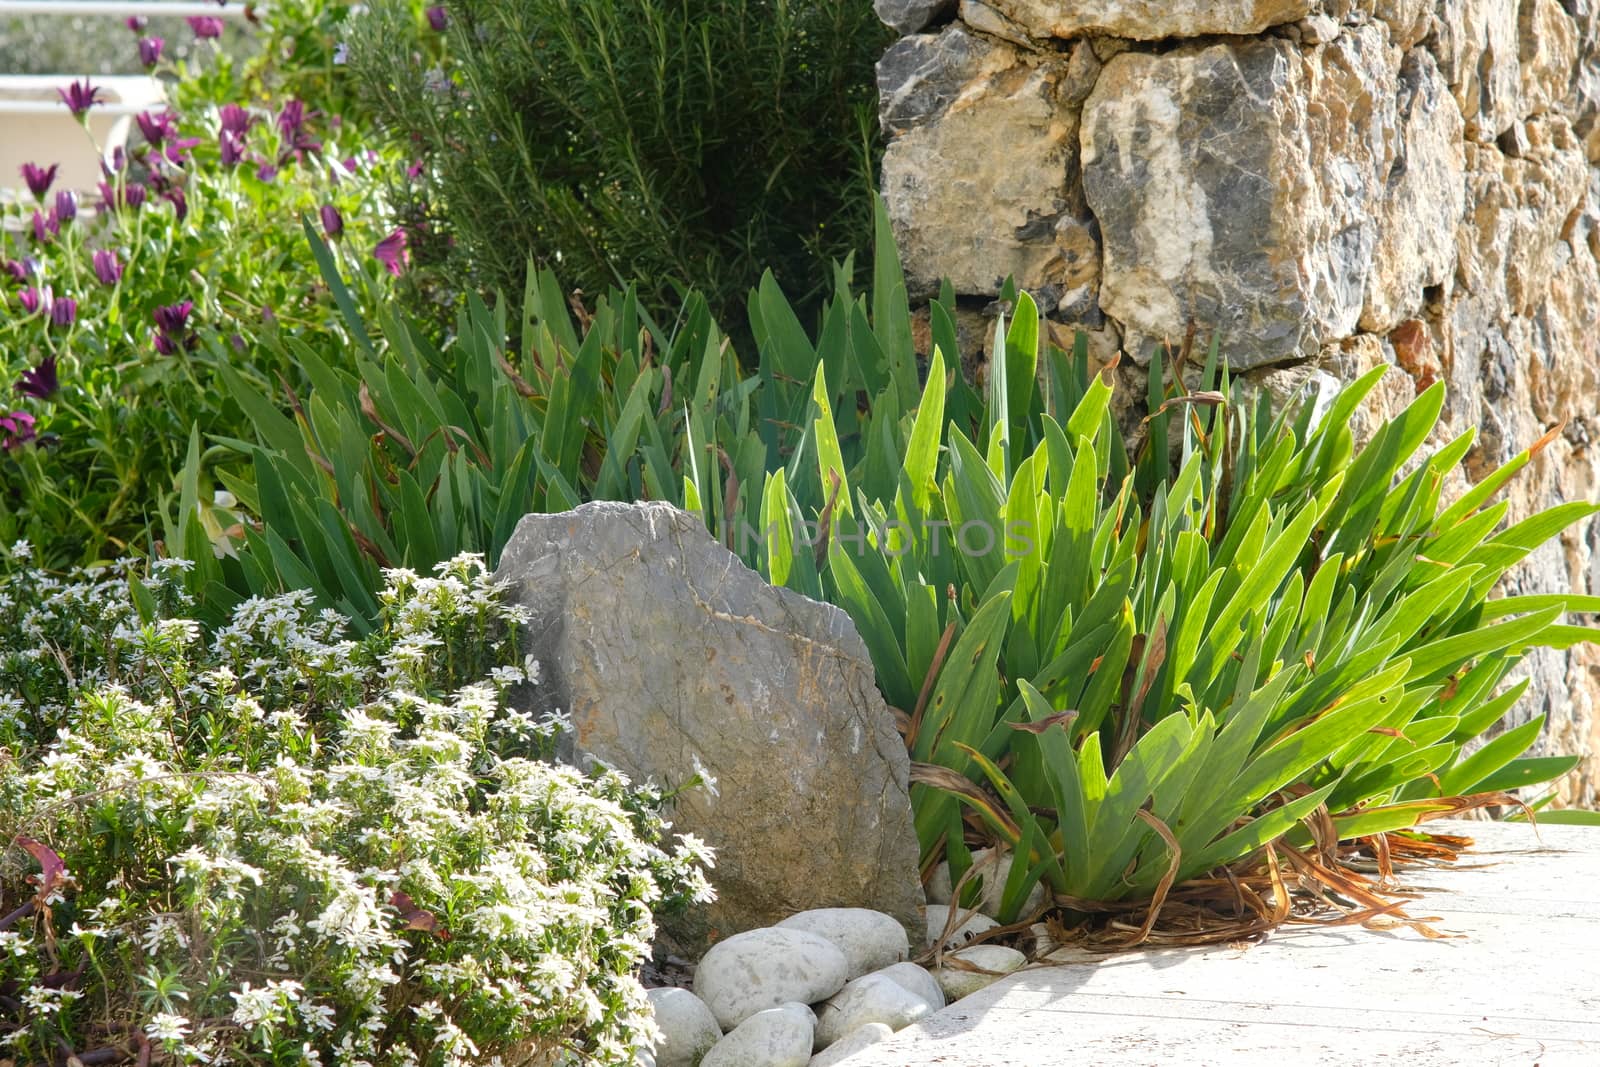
[958, 983]
[776, 1037]
[854, 1042]
[869, 939]
[871, 998]
[763, 968]
[688, 1029]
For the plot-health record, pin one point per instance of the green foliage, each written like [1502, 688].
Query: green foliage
[1156, 669]
[682, 145]
[1093, 649]
[402, 453]
[271, 844]
[221, 237]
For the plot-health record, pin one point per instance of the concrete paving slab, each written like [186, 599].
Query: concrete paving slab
[1521, 986]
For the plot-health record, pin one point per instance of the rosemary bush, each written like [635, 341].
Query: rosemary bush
[669, 143]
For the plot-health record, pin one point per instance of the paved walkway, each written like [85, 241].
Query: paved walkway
[1521, 988]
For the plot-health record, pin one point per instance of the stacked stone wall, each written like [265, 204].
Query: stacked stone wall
[1328, 185]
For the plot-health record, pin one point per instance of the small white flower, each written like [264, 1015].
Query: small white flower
[166, 1027]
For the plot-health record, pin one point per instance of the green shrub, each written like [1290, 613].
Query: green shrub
[668, 143]
[403, 453]
[1279, 622]
[1173, 678]
[276, 845]
[199, 226]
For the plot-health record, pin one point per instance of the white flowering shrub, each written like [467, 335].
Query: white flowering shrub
[271, 844]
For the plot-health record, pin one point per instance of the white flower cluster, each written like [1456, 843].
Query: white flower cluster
[285, 845]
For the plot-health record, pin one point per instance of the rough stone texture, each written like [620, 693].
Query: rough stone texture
[860, 1038]
[688, 1029]
[868, 999]
[977, 182]
[669, 654]
[1330, 185]
[869, 939]
[761, 969]
[1151, 20]
[1423, 197]
[1255, 219]
[777, 1037]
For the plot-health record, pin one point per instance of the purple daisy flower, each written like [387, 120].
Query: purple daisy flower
[79, 97]
[107, 267]
[64, 312]
[391, 252]
[156, 128]
[39, 179]
[35, 300]
[235, 119]
[332, 222]
[174, 318]
[45, 226]
[18, 429]
[438, 18]
[150, 51]
[231, 147]
[205, 27]
[66, 205]
[40, 382]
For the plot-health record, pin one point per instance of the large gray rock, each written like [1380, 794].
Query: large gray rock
[914, 979]
[862, 1037]
[1234, 186]
[990, 962]
[669, 655]
[761, 969]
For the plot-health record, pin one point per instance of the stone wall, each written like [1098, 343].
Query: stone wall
[1329, 184]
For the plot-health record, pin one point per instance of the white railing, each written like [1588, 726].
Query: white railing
[120, 8]
[35, 125]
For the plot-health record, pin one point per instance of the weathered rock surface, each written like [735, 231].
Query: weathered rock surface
[688, 1029]
[909, 16]
[869, 939]
[1152, 20]
[776, 1037]
[993, 962]
[977, 184]
[1232, 186]
[868, 999]
[761, 969]
[1424, 197]
[858, 1039]
[669, 655]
